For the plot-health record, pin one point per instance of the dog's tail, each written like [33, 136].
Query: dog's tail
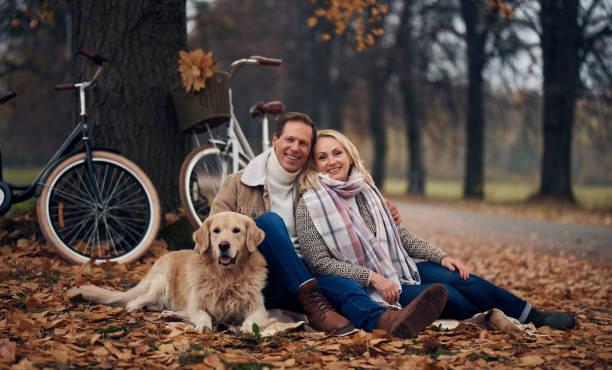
[96, 294]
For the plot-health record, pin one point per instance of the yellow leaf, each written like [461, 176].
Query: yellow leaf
[326, 37]
[320, 12]
[312, 21]
[384, 8]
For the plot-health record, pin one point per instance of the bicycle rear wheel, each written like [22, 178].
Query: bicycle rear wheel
[120, 228]
[202, 174]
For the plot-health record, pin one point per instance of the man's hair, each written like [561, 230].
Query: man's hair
[296, 116]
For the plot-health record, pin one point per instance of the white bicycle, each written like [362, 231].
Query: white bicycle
[205, 168]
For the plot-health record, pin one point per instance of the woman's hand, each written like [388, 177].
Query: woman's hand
[394, 212]
[452, 264]
[385, 287]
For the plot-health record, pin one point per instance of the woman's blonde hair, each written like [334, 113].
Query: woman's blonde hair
[309, 178]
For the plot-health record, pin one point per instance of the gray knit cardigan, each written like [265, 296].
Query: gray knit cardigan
[320, 261]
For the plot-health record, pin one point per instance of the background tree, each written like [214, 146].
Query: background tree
[570, 35]
[131, 109]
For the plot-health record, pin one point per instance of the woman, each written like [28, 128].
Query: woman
[344, 228]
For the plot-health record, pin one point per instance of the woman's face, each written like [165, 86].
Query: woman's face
[331, 158]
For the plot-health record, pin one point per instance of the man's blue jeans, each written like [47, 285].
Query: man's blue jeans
[286, 272]
[465, 297]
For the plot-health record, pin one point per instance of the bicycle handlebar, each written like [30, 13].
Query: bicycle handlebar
[96, 58]
[68, 86]
[255, 59]
[267, 61]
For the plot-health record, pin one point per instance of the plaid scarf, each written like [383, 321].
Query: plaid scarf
[348, 237]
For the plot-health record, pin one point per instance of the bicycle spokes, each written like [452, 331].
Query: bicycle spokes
[103, 229]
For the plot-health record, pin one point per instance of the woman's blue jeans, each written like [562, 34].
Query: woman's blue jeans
[465, 297]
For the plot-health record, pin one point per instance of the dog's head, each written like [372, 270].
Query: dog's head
[227, 235]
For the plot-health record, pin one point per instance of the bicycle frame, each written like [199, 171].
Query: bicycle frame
[21, 193]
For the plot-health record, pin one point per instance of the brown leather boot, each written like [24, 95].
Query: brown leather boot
[320, 313]
[410, 320]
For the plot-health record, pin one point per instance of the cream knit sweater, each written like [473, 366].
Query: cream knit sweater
[283, 190]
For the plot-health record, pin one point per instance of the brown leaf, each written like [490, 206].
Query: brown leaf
[7, 350]
[24, 364]
[32, 303]
[431, 345]
[531, 360]
[214, 362]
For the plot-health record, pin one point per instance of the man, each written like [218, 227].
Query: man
[266, 191]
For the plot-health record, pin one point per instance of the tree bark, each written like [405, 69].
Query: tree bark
[130, 109]
[560, 51]
[408, 70]
[376, 96]
[476, 35]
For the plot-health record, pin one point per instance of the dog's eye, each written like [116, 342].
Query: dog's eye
[236, 230]
[216, 230]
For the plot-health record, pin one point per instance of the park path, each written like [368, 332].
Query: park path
[426, 219]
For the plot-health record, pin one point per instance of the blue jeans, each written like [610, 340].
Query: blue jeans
[465, 297]
[286, 272]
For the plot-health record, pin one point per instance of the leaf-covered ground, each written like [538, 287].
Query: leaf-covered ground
[40, 328]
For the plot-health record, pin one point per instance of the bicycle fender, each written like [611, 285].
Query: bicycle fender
[47, 171]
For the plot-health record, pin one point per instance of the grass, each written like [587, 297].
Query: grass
[21, 176]
[590, 197]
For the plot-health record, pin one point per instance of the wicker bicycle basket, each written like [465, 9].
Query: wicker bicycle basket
[209, 106]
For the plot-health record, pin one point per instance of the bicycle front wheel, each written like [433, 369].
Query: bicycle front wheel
[120, 226]
[202, 174]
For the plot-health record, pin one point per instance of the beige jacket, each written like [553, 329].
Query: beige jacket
[246, 191]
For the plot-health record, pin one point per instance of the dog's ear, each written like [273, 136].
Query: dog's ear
[201, 237]
[254, 236]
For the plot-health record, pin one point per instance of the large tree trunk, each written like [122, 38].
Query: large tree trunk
[476, 35]
[376, 96]
[131, 110]
[413, 123]
[560, 50]
[408, 69]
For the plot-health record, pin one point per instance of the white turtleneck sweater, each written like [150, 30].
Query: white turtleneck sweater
[282, 190]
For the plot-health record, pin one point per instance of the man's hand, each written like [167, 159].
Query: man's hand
[452, 264]
[385, 287]
[394, 213]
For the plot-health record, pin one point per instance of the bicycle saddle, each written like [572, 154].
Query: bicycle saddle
[6, 96]
[271, 107]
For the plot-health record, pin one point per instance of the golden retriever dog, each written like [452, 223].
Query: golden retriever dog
[217, 282]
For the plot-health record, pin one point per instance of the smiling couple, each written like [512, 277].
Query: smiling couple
[333, 248]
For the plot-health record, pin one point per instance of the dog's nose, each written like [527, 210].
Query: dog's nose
[224, 246]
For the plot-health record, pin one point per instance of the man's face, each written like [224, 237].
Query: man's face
[293, 145]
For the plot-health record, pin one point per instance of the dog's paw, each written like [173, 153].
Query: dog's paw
[133, 306]
[202, 322]
[247, 327]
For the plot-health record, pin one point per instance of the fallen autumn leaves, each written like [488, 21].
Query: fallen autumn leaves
[39, 327]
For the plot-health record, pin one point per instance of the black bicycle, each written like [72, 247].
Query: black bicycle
[92, 204]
